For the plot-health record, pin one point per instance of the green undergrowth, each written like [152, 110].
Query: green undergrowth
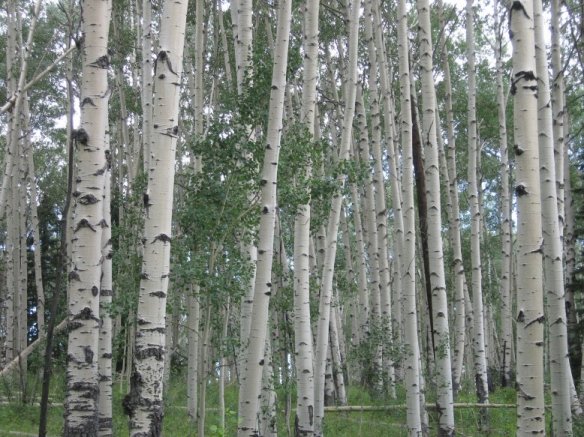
[24, 418]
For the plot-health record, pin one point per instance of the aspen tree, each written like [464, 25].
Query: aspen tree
[506, 245]
[558, 107]
[378, 205]
[193, 318]
[454, 219]
[250, 386]
[394, 177]
[105, 301]
[144, 403]
[322, 336]
[443, 374]
[81, 409]
[147, 81]
[302, 328]
[408, 269]
[193, 304]
[479, 348]
[552, 245]
[530, 314]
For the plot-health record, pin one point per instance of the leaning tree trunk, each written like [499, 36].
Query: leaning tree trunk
[144, 402]
[561, 375]
[81, 409]
[437, 279]
[408, 269]
[250, 387]
[530, 315]
[322, 336]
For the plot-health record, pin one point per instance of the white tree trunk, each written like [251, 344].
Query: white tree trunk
[322, 337]
[479, 347]
[530, 315]
[561, 375]
[193, 317]
[81, 407]
[254, 358]
[443, 375]
[505, 205]
[105, 301]
[302, 328]
[408, 269]
[144, 403]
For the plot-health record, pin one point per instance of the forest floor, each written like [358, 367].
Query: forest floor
[22, 419]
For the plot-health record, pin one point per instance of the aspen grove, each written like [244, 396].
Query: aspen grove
[294, 217]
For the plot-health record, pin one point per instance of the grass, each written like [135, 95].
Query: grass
[24, 418]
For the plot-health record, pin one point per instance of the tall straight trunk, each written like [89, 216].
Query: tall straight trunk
[144, 402]
[337, 362]
[560, 373]
[370, 228]
[363, 309]
[558, 108]
[303, 425]
[203, 370]
[193, 317]
[105, 301]
[408, 269]
[377, 192]
[454, 222]
[443, 375]
[387, 105]
[81, 409]
[147, 81]
[38, 270]
[268, 423]
[254, 358]
[530, 314]
[322, 336]
[193, 302]
[479, 348]
[505, 205]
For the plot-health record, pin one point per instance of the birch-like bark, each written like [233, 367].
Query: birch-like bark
[378, 207]
[454, 219]
[193, 317]
[505, 205]
[105, 301]
[560, 372]
[147, 81]
[558, 108]
[303, 425]
[38, 271]
[394, 177]
[337, 361]
[443, 376]
[369, 217]
[530, 314]
[144, 403]
[322, 336]
[479, 348]
[81, 406]
[250, 386]
[408, 269]
[363, 309]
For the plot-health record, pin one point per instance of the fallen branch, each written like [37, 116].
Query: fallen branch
[29, 349]
[358, 408]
